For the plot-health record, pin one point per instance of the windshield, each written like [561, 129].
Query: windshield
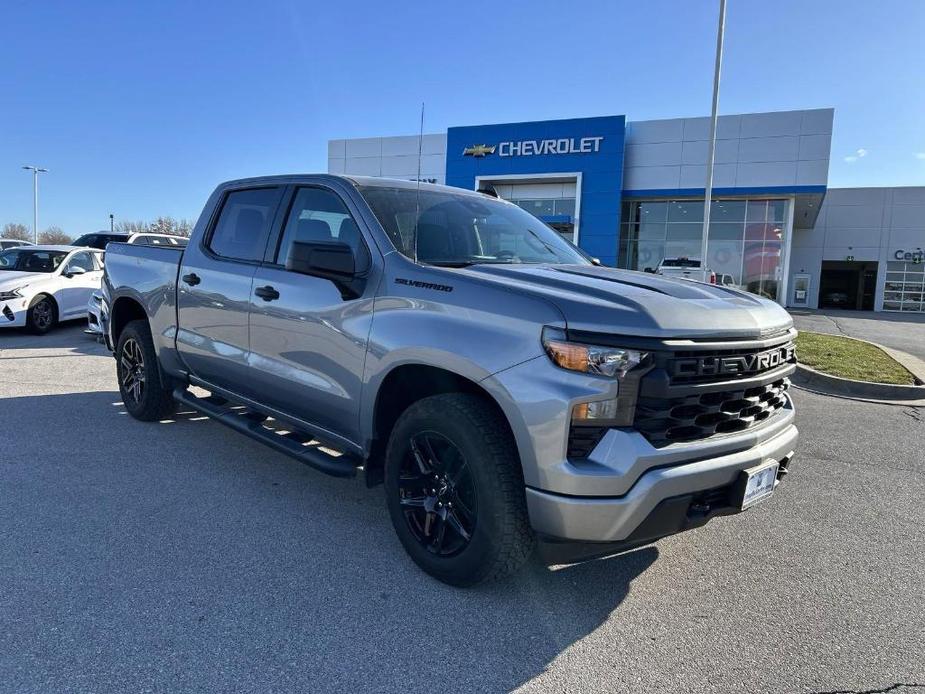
[26, 260]
[464, 229]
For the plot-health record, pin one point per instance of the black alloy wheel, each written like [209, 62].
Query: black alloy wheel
[455, 491]
[132, 370]
[437, 494]
[146, 394]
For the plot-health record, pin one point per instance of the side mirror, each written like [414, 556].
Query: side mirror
[595, 261]
[325, 259]
[76, 270]
[649, 270]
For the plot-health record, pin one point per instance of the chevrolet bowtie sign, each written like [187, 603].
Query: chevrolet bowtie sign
[529, 148]
[479, 150]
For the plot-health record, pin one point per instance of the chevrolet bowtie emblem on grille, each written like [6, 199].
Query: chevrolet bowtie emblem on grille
[479, 150]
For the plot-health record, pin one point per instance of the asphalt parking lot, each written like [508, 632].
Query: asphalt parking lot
[181, 556]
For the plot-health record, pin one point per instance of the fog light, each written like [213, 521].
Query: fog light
[602, 409]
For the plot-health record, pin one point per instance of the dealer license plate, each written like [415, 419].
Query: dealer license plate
[758, 483]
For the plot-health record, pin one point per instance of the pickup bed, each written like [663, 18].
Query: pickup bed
[505, 390]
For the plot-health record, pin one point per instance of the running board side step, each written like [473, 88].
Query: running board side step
[250, 423]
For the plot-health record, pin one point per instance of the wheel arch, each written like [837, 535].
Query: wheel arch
[39, 295]
[123, 311]
[406, 384]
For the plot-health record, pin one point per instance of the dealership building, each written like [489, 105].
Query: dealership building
[631, 194]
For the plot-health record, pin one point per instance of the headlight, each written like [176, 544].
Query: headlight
[618, 363]
[10, 294]
[614, 362]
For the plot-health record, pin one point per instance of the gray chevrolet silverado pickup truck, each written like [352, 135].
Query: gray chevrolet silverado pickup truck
[504, 388]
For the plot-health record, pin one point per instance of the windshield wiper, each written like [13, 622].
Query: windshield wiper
[546, 245]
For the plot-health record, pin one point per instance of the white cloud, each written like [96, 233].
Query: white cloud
[858, 154]
[920, 155]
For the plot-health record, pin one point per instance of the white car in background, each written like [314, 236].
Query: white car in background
[13, 243]
[96, 307]
[42, 285]
[144, 238]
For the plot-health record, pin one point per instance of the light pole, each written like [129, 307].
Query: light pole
[36, 170]
[708, 190]
[112, 222]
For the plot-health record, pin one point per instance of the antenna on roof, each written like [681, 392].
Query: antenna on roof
[417, 198]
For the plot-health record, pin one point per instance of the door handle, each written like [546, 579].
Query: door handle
[267, 293]
[192, 279]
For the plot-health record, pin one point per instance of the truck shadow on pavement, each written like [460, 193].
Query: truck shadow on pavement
[181, 555]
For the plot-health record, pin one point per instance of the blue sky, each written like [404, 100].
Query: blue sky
[141, 108]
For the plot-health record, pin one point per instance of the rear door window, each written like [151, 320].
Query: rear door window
[241, 231]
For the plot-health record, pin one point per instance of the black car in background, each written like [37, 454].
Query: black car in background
[100, 239]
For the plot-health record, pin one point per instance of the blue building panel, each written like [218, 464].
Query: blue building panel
[592, 147]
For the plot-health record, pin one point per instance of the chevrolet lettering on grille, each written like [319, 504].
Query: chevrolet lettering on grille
[734, 365]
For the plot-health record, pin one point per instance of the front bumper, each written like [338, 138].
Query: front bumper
[608, 495]
[13, 313]
[620, 519]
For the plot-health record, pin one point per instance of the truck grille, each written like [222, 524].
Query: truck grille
[699, 415]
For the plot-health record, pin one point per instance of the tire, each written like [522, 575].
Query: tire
[450, 460]
[139, 375]
[42, 315]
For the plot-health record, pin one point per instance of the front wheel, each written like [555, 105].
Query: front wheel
[455, 490]
[42, 315]
[140, 385]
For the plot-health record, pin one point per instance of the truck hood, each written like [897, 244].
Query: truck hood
[601, 299]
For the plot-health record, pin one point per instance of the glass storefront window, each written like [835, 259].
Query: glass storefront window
[725, 231]
[685, 232]
[777, 210]
[547, 207]
[537, 207]
[904, 289]
[649, 254]
[757, 211]
[760, 268]
[685, 211]
[727, 211]
[652, 212]
[565, 206]
[745, 243]
[725, 258]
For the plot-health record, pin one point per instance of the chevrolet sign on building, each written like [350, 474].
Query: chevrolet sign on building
[631, 195]
[529, 148]
[565, 145]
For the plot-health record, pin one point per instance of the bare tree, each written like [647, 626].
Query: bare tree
[161, 225]
[131, 227]
[20, 232]
[184, 228]
[54, 236]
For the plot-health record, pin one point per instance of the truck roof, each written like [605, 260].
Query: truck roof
[355, 180]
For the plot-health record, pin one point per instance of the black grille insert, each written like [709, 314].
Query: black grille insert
[686, 418]
[583, 439]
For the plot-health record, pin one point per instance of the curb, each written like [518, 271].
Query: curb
[809, 378]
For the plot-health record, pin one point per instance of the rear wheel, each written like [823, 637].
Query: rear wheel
[42, 315]
[455, 490]
[140, 384]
